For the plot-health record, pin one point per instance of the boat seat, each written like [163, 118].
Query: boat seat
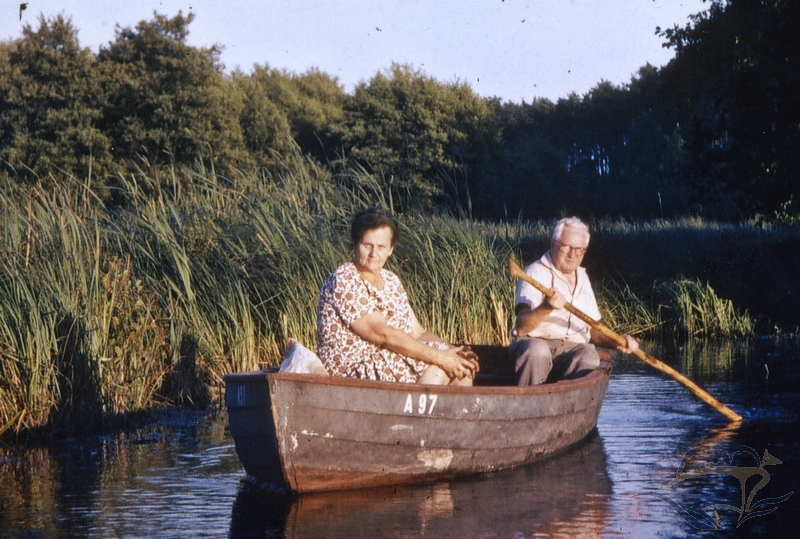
[496, 368]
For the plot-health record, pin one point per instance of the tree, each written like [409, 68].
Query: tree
[417, 134]
[282, 109]
[529, 165]
[265, 126]
[51, 97]
[645, 166]
[314, 103]
[170, 102]
[735, 74]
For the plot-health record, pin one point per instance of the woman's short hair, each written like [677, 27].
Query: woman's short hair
[572, 222]
[371, 219]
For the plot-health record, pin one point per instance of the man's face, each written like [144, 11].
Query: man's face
[567, 252]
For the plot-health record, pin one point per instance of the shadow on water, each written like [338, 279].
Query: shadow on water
[38, 479]
[158, 480]
[544, 497]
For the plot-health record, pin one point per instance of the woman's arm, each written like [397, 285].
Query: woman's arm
[422, 334]
[456, 362]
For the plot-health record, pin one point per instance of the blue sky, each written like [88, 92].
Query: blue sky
[513, 49]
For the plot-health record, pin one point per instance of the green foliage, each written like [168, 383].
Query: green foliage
[683, 308]
[147, 94]
[265, 126]
[734, 79]
[414, 132]
[788, 213]
[85, 338]
[525, 167]
[626, 312]
[281, 110]
[456, 280]
[170, 100]
[109, 312]
[114, 310]
[51, 94]
[697, 311]
[711, 134]
[612, 152]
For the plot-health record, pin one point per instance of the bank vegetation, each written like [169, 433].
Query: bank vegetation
[113, 309]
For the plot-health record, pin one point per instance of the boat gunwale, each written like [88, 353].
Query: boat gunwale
[561, 386]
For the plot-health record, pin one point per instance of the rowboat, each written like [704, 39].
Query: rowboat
[307, 432]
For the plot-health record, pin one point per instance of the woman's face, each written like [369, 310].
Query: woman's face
[374, 249]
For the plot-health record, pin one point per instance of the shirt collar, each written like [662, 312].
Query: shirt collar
[548, 263]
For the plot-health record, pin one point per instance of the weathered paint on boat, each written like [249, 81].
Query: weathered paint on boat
[317, 433]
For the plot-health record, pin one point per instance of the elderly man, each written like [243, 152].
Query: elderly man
[549, 341]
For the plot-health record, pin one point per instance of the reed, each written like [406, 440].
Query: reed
[679, 308]
[699, 312]
[456, 279]
[147, 294]
[626, 312]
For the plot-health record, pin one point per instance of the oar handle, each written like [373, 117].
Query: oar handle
[517, 273]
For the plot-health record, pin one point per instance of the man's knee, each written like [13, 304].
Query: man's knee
[525, 349]
[582, 360]
[587, 357]
[532, 360]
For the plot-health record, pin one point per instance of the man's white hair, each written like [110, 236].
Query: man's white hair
[572, 222]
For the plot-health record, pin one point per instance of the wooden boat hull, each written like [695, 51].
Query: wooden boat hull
[531, 501]
[318, 433]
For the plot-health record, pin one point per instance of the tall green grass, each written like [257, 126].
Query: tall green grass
[147, 294]
[682, 308]
[753, 263]
[456, 279]
[117, 301]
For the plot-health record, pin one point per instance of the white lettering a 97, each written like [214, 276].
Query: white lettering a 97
[425, 404]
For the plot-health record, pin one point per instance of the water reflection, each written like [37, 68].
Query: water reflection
[700, 464]
[650, 425]
[150, 482]
[565, 494]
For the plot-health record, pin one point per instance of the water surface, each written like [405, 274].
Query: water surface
[181, 477]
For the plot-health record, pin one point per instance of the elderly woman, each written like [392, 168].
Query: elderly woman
[365, 325]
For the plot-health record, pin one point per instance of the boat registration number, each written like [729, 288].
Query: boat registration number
[424, 404]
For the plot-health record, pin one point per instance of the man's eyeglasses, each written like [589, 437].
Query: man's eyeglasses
[566, 248]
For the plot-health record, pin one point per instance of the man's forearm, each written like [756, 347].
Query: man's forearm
[529, 319]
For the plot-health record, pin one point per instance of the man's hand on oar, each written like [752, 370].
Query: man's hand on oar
[631, 346]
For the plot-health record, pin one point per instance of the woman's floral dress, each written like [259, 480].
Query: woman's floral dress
[346, 297]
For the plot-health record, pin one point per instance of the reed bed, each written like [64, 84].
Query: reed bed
[147, 294]
[681, 308]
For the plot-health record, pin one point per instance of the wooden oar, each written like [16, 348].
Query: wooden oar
[516, 273]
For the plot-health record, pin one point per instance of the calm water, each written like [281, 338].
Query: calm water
[182, 478]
